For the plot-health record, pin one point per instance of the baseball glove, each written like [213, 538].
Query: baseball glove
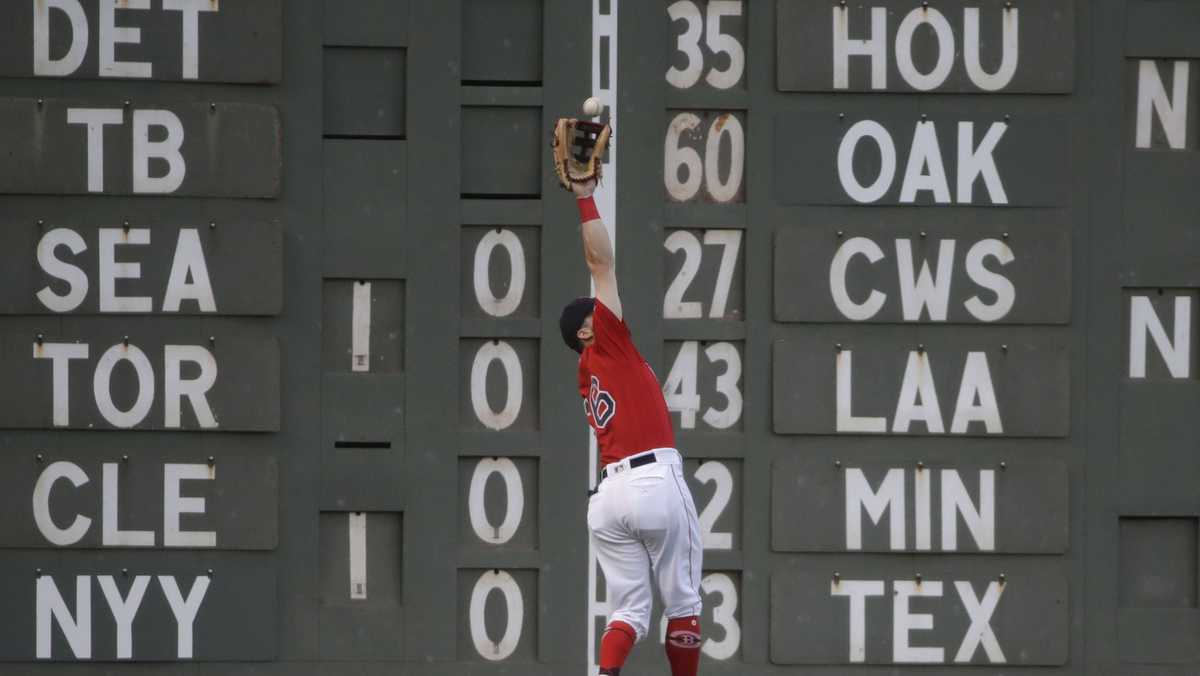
[578, 147]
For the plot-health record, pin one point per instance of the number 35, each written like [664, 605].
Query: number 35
[719, 43]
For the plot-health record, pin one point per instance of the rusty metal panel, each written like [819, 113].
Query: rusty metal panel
[217, 149]
[871, 273]
[240, 263]
[235, 618]
[831, 159]
[240, 497]
[940, 52]
[1016, 507]
[207, 42]
[1027, 378]
[226, 378]
[1025, 602]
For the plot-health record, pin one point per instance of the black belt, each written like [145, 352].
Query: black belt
[639, 461]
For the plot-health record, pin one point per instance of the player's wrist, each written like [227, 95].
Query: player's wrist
[587, 209]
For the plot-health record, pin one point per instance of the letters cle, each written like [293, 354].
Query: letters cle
[50, 14]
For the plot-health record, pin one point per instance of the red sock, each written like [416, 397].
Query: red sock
[615, 645]
[683, 645]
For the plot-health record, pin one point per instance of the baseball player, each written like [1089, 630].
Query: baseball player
[641, 516]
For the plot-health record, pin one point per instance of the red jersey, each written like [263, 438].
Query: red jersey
[621, 395]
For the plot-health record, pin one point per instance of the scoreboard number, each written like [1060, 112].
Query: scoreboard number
[680, 389]
[514, 509]
[719, 474]
[674, 306]
[505, 305]
[681, 158]
[503, 352]
[688, 43]
[497, 581]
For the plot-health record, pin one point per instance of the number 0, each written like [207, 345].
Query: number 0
[507, 356]
[504, 583]
[514, 500]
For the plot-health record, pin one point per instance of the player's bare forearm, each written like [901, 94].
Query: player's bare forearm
[598, 253]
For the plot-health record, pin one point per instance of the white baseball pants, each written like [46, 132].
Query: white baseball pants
[643, 521]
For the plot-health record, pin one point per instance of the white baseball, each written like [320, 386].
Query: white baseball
[591, 107]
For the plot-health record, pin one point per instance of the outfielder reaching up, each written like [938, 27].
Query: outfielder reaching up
[641, 517]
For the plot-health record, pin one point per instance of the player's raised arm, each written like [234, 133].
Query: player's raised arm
[597, 249]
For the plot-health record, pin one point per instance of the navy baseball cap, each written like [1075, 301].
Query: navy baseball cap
[572, 318]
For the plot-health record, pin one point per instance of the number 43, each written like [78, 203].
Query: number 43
[681, 393]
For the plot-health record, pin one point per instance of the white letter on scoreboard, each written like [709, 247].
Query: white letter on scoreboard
[168, 149]
[974, 161]
[74, 276]
[918, 382]
[41, 504]
[1152, 94]
[190, 10]
[175, 388]
[60, 356]
[846, 420]
[858, 591]
[990, 82]
[1142, 320]
[980, 611]
[890, 497]
[980, 522]
[904, 622]
[925, 152]
[111, 270]
[76, 629]
[976, 384]
[103, 392]
[124, 609]
[95, 119]
[184, 609]
[887, 161]
[174, 504]
[189, 262]
[945, 39]
[42, 63]
[110, 510]
[1006, 293]
[855, 246]
[110, 35]
[874, 47]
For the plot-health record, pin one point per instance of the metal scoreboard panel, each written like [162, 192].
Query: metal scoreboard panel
[398, 470]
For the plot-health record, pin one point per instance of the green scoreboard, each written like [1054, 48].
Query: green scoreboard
[284, 393]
